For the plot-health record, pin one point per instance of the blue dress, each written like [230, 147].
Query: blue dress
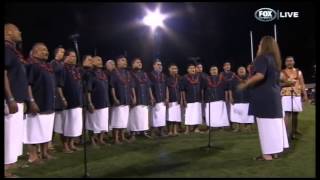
[265, 95]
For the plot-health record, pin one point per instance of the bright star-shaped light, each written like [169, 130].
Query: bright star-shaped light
[154, 19]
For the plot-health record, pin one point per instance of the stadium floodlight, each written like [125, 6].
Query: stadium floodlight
[154, 19]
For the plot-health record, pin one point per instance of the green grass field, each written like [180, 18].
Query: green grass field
[183, 156]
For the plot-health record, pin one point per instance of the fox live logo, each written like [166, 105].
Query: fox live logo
[268, 14]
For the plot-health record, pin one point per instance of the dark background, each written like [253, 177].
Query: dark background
[215, 32]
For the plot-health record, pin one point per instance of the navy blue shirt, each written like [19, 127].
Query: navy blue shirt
[72, 86]
[192, 86]
[108, 73]
[203, 77]
[122, 83]
[86, 74]
[16, 73]
[265, 96]
[98, 85]
[213, 89]
[158, 86]
[58, 72]
[142, 84]
[173, 84]
[239, 96]
[226, 79]
[42, 81]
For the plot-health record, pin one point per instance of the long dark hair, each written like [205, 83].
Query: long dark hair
[268, 45]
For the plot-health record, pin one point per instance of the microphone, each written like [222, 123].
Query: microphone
[74, 36]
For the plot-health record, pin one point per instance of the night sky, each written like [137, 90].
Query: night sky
[215, 32]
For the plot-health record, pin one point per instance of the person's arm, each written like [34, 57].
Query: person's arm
[226, 90]
[183, 93]
[134, 99]
[167, 96]
[261, 68]
[202, 95]
[88, 86]
[183, 98]
[115, 99]
[60, 76]
[303, 87]
[33, 105]
[60, 93]
[251, 81]
[284, 82]
[226, 96]
[231, 90]
[113, 91]
[231, 96]
[152, 100]
[12, 104]
[91, 107]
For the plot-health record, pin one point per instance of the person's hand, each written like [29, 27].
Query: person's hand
[116, 102]
[166, 102]
[152, 101]
[184, 104]
[134, 101]
[25, 108]
[91, 107]
[64, 103]
[292, 82]
[305, 98]
[181, 103]
[231, 101]
[34, 109]
[13, 106]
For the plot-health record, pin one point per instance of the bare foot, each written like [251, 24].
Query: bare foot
[197, 130]
[75, 148]
[275, 156]
[48, 157]
[35, 161]
[267, 157]
[148, 136]
[102, 142]
[67, 151]
[126, 140]
[117, 142]
[133, 138]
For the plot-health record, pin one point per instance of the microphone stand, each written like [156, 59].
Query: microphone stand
[210, 147]
[209, 139]
[86, 174]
